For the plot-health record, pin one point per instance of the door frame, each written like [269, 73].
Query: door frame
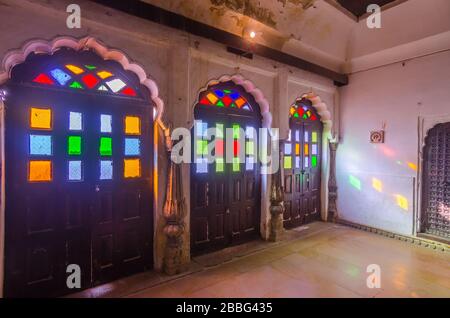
[18, 56]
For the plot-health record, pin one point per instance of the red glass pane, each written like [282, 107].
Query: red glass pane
[205, 101]
[227, 100]
[43, 79]
[300, 111]
[313, 117]
[236, 147]
[90, 80]
[219, 147]
[129, 91]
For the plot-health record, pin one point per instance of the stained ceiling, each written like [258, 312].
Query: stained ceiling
[359, 7]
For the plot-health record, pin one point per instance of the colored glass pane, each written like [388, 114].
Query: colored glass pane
[287, 148]
[60, 76]
[306, 162]
[103, 88]
[105, 123]
[227, 100]
[75, 171]
[220, 104]
[236, 148]
[40, 171]
[313, 161]
[219, 147]
[132, 168]
[129, 91]
[236, 130]
[219, 130]
[219, 93]
[314, 149]
[287, 162]
[75, 121]
[132, 125]
[105, 148]
[249, 163]
[297, 135]
[296, 115]
[40, 145]
[40, 118]
[250, 148]
[201, 165]
[90, 80]
[289, 135]
[292, 110]
[220, 166]
[74, 145]
[212, 98]
[202, 147]
[314, 136]
[239, 102]
[306, 150]
[90, 67]
[43, 79]
[246, 107]
[306, 138]
[201, 128]
[116, 85]
[236, 165]
[132, 147]
[106, 169]
[227, 91]
[297, 149]
[77, 85]
[297, 162]
[250, 132]
[75, 69]
[234, 95]
[104, 74]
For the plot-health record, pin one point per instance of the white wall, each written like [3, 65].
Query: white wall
[396, 95]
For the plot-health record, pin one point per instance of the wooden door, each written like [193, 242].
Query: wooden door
[225, 196]
[301, 166]
[71, 198]
[435, 219]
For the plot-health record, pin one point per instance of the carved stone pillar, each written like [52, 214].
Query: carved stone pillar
[276, 208]
[173, 212]
[332, 185]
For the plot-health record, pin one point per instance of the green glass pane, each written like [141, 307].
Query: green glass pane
[288, 162]
[314, 136]
[105, 146]
[236, 129]
[220, 104]
[219, 130]
[74, 145]
[220, 166]
[233, 105]
[76, 84]
[90, 67]
[296, 115]
[305, 116]
[249, 148]
[236, 165]
[227, 91]
[202, 147]
[314, 161]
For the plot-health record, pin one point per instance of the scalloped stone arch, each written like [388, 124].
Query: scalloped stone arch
[19, 56]
[319, 106]
[250, 88]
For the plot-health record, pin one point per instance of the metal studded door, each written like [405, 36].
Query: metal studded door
[435, 217]
[225, 195]
[301, 165]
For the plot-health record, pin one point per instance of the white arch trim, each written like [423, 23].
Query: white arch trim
[250, 88]
[319, 106]
[49, 47]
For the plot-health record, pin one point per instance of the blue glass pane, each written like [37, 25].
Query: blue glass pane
[306, 139]
[132, 147]
[297, 135]
[74, 170]
[219, 93]
[105, 123]
[61, 76]
[234, 95]
[40, 145]
[201, 128]
[250, 132]
[75, 121]
[249, 163]
[287, 149]
[106, 170]
[306, 162]
[297, 162]
[314, 149]
[202, 165]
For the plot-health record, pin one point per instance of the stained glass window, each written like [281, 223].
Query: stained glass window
[75, 121]
[40, 145]
[77, 76]
[75, 173]
[40, 171]
[302, 109]
[106, 169]
[131, 168]
[40, 118]
[227, 98]
[74, 145]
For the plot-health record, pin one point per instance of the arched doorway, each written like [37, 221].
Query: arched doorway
[225, 195]
[302, 165]
[78, 145]
[435, 217]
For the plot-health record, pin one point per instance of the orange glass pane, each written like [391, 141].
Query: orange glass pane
[41, 118]
[239, 102]
[212, 98]
[306, 152]
[132, 168]
[132, 125]
[40, 171]
[75, 69]
[104, 74]
[297, 149]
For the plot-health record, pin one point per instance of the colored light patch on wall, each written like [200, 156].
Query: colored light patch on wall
[132, 168]
[132, 125]
[105, 147]
[74, 145]
[377, 184]
[40, 118]
[40, 171]
[287, 162]
[75, 121]
[402, 202]
[105, 123]
[132, 147]
[355, 182]
[60, 76]
[106, 169]
[75, 173]
[412, 166]
[40, 145]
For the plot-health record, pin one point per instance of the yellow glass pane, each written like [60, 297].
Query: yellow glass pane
[297, 149]
[212, 98]
[41, 118]
[314, 136]
[306, 152]
[104, 74]
[40, 171]
[132, 168]
[132, 125]
[75, 69]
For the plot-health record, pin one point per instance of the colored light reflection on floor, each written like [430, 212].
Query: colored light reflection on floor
[355, 182]
[402, 202]
[377, 184]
